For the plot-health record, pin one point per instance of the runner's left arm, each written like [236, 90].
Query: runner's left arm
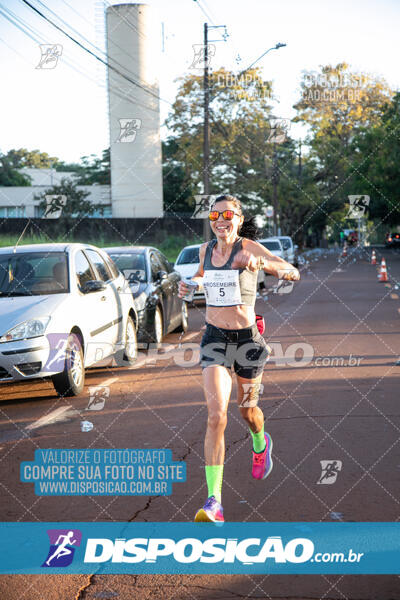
[255, 257]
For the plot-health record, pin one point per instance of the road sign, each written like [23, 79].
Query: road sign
[269, 212]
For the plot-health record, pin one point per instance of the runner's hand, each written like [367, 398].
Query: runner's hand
[244, 259]
[289, 274]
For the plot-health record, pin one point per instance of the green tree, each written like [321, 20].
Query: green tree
[337, 104]
[31, 158]
[376, 170]
[239, 111]
[178, 187]
[76, 205]
[90, 170]
[9, 175]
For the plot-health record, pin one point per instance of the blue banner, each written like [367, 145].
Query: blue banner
[228, 548]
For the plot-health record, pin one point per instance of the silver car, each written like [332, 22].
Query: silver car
[289, 249]
[63, 307]
[274, 245]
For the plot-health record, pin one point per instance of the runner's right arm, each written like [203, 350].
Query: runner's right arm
[183, 288]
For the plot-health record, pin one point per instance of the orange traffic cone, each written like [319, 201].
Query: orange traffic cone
[373, 258]
[383, 273]
[344, 253]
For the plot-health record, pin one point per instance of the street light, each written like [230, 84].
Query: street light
[276, 47]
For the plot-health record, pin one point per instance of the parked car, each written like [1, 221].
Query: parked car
[63, 308]
[274, 245]
[187, 264]
[352, 238]
[289, 249]
[392, 240]
[154, 286]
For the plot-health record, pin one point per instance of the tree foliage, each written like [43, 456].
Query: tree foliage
[76, 205]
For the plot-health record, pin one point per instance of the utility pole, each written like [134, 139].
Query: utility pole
[275, 180]
[206, 127]
[300, 163]
[206, 133]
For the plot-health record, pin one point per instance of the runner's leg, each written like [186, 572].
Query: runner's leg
[217, 383]
[248, 396]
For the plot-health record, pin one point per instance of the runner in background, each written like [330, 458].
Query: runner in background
[228, 267]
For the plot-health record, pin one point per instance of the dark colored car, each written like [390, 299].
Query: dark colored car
[352, 238]
[392, 240]
[154, 286]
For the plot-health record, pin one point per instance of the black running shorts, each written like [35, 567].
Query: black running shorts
[243, 349]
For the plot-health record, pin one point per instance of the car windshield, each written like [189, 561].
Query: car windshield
[33, 274]
[188, 256]
[133, 266]
[271, 245]
[285, 244]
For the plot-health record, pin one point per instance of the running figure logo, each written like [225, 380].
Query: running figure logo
[61, 348]
[62, 547]
[128, 129]
[357, 206]
[50, 53]
[54, 206]
[202, 207]
[278, 130]
[330, 470]
[199, 58]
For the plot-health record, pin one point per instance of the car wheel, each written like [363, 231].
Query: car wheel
[131, 348]
[71, 381]
[158, 326]
[183, 327]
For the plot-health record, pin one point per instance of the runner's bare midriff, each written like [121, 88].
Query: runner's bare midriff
[231, 317]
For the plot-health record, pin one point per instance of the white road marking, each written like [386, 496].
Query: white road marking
[55, 415]
[108, 382]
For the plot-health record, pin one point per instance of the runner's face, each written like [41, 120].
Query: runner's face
[226, 230]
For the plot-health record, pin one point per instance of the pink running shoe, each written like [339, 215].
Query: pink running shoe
[211, 512]
[262, 461]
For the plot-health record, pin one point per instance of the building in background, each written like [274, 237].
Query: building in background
[134, 117]
[134, 112]
[18, 201]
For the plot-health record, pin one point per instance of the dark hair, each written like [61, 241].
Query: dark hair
[249, 227]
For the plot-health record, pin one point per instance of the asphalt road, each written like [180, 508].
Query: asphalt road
[332, 397]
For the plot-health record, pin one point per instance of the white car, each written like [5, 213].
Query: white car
[274, 245]
[63, 307]
[289, 249]
[187, 263]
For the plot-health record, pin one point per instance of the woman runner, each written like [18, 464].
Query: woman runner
[229, 266]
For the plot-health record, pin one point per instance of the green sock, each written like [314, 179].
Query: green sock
[214, 475]
[258, 440]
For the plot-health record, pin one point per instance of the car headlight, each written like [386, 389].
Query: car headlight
[28, 329]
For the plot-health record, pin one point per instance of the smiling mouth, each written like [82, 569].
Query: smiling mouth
[222, 227]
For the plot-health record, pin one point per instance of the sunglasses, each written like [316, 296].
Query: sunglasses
[213, 215]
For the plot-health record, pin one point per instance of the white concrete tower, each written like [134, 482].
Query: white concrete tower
[136, 170]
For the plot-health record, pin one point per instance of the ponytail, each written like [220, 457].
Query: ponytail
[249, 229]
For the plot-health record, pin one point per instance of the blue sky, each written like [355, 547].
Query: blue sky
[63, 111]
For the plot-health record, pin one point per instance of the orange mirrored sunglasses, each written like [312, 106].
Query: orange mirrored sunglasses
[226, 214]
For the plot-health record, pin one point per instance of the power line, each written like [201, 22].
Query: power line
[202, 10]
[36, 37]
[100, 50]
[93, 54]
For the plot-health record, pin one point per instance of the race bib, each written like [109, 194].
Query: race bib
[222, 287]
